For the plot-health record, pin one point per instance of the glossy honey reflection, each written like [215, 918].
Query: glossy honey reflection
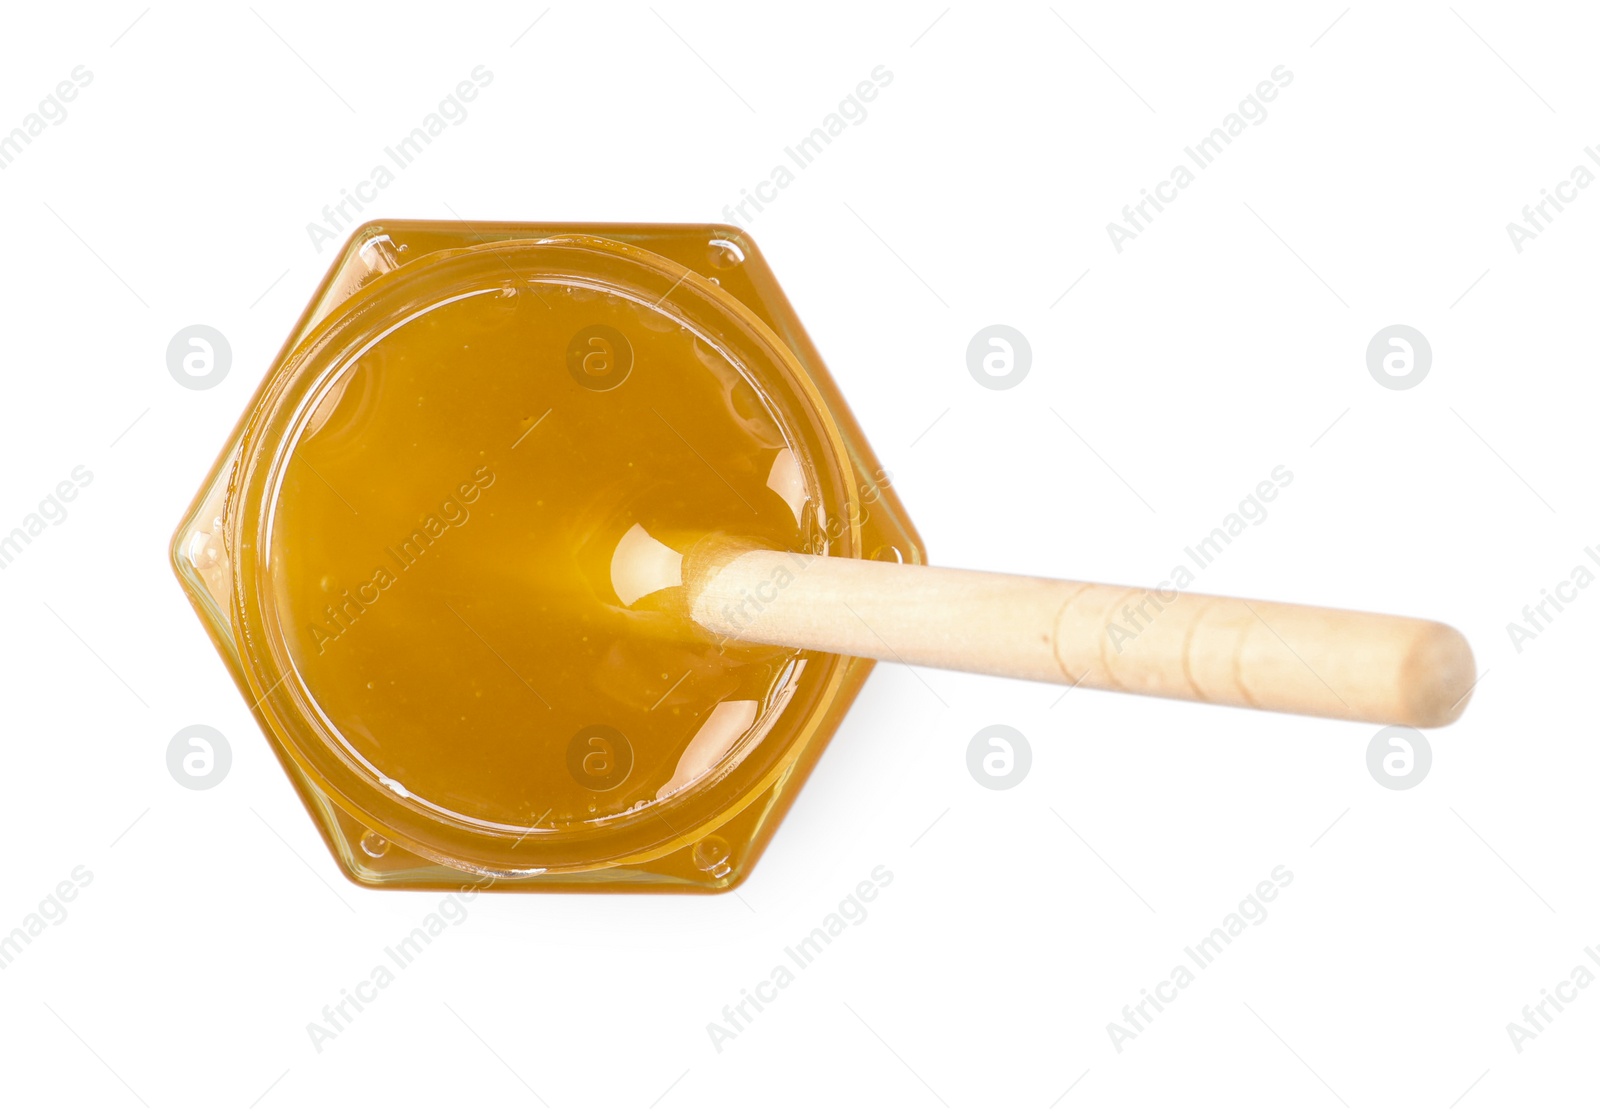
[441, 545]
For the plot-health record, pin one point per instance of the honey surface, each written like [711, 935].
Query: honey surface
[440, 552]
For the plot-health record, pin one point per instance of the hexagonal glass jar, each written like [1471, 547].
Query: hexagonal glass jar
[707, 832]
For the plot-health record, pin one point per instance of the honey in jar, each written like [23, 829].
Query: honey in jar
[406, 554]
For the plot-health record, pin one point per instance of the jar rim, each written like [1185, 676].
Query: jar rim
[277, 424]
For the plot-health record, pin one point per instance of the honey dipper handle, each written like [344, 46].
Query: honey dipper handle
[1322, 662]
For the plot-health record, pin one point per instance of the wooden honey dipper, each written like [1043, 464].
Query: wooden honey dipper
[1323, 662]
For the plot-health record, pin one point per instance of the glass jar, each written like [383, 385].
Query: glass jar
[404, 553]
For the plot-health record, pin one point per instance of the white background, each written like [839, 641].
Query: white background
[1227, 339]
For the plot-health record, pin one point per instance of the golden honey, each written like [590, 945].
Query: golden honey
[410, 563]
